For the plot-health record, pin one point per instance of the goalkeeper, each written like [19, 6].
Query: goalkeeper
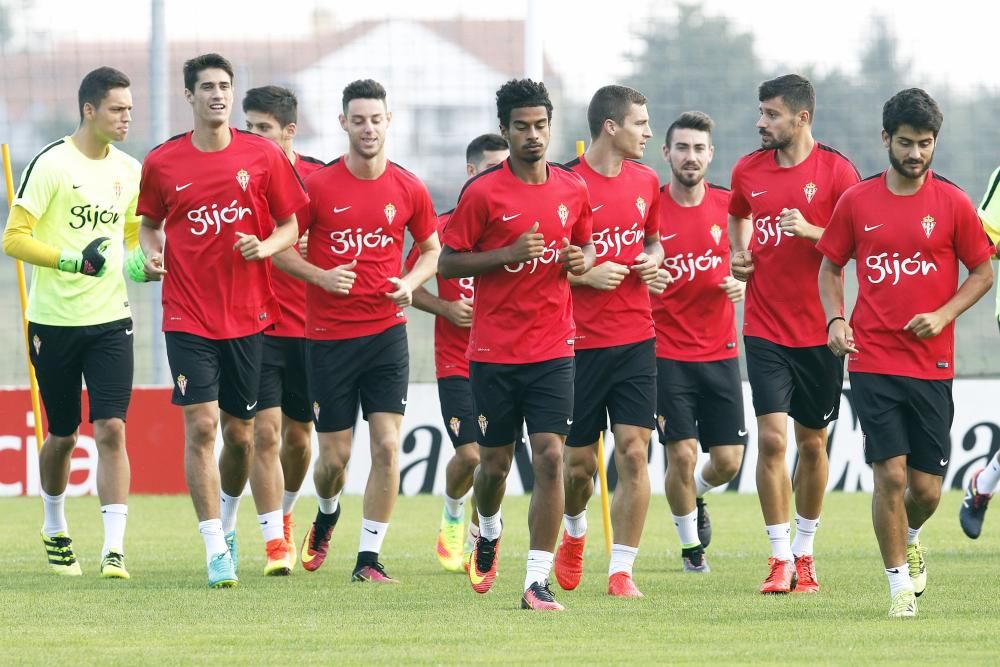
[74, 211]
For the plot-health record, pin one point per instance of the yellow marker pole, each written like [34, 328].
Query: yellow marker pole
[602, 470]
[35, 404]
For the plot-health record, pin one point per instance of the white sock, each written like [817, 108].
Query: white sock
[471, 536]
[55, 514]
[576, 526]
[912, 535]
[622, 558]
[687, 529]
[272, 525]
[372, 534]
[114, 517]
[539, 566]
[453, 506]
[899, 579]
[229, 507]
[805, 533]
[288, 499]
[490, 526]
[781, 546]
[701, 487]
[215, 539]
[988, 478]
[329, 505]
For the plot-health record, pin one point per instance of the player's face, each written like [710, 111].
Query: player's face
[528, 133]
[689, 154]
[267, 126]
[112, 116]
[777, 126]
[632, 135]
[365, 122]
[489, 159]
[911, 151]
[212, 99]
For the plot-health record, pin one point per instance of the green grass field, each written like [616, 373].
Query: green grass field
[167, 615]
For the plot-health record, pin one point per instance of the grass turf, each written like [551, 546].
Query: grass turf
[167, 615]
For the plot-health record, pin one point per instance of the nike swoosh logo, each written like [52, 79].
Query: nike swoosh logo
[668, 237]
[77, 187]
[404, 401]
[474, 575]
[252, 406]
[943, 462]
[895, 571]
[178, 188]
[128, 332]
[569, 422]
[373, 532]
[595, 209]
[757, 194]
[873, 227]
[742, 432]
[340, 210]
[508, 218]
[827, 415]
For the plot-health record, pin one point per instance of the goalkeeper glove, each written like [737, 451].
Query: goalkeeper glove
[135, 262]
[91, 262]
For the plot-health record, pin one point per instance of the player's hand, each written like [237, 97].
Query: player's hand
[645, 267]
[304, 245]
[90, 262]
[606, 276]
[926, 325]
[459, 312]
[338, 280]
[528, 246]
[572, 259]
[840, 340]
[251, 247]
[741, 265]
[790, 220]
[660, 283]
[733, 288]
[402, 296]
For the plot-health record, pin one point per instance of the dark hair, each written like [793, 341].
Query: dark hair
[691, 120]
[484, 142]
[521, 93]
[363, 89]
[96, 85]
[794, 90]
[612, 102]
[913, 107]
[275, 100]
[193, 67]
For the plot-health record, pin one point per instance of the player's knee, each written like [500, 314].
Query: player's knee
[580, 468]
[812, 449]
[238, 435]
[547, 463]
[61, 444]
[201, 430]
[265, 436]
[890, 479]
[494, 468]
[632, 459]
[385, 453]
[772, 444]
[727, 466]
[682, 459]
[467, 456]
[926, 495]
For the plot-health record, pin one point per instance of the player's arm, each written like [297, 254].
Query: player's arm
[978, 283]
[461, 264]
[422, 271]
[458, 312]
[338, 280]
[285, 234]
[840, 336]
[145, 262]
[19, 242]
[791, 220]
[740, 262]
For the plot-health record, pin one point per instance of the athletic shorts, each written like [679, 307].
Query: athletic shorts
[700, 399]
[804, 382]
[101, 354]
[371, 370]
[457, 410]
[619, 382]
[507, 395]
[283, 381]
[905, 416]
[205, 369]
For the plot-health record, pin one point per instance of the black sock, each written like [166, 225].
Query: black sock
[325, 521]
[366, 558]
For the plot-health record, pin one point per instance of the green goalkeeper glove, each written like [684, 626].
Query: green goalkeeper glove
[91, 262]
[135, 262]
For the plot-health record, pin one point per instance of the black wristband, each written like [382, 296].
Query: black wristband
[832, 320]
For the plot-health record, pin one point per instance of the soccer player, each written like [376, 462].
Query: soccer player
[214, 193]
[615, 343]
[452, 310]
[284, 413]
[782, 198]
[984, 482]
[519, 228]
[699, 394]
[360, 205]
[73, 212]
[908, 228]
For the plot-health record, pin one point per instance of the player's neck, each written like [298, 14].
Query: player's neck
[92, 146]
[603, 159]
[211, 138]
[532, 173]
[367, 169]
[903, 186]
[290, 154]
[797, 151]
[685, 196]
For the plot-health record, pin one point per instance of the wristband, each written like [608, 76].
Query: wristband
[832, 320]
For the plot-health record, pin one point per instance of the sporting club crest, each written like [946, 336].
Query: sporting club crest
[243, 178]
[563, 214]
[483, 424]
[661, 421]
[928, 224]
[390, 212]
[810, 191]
[455, 424]
[37, 342]
[716, 233]
[182, 383]
[640, 204]
[316, 410]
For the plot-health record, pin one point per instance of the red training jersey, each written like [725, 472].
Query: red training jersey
[450, 341]
[782, 299]
[907, 250]
[291, 292]
[625, 209]
[524, 311]
[695, 320]
[354, 219]
[204, 199]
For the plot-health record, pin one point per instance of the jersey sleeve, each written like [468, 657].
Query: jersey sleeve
[19, 242]
[583, 228]
[845, 177]
[423, 222]
[653, 212]
[739, 207]
[837, 242]
[989, 208]
[132, 222]
[150, 203]
[39, 184]
[412, 257]
[972, 244]
[467, 223]
[285, 193]
[306, 215]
